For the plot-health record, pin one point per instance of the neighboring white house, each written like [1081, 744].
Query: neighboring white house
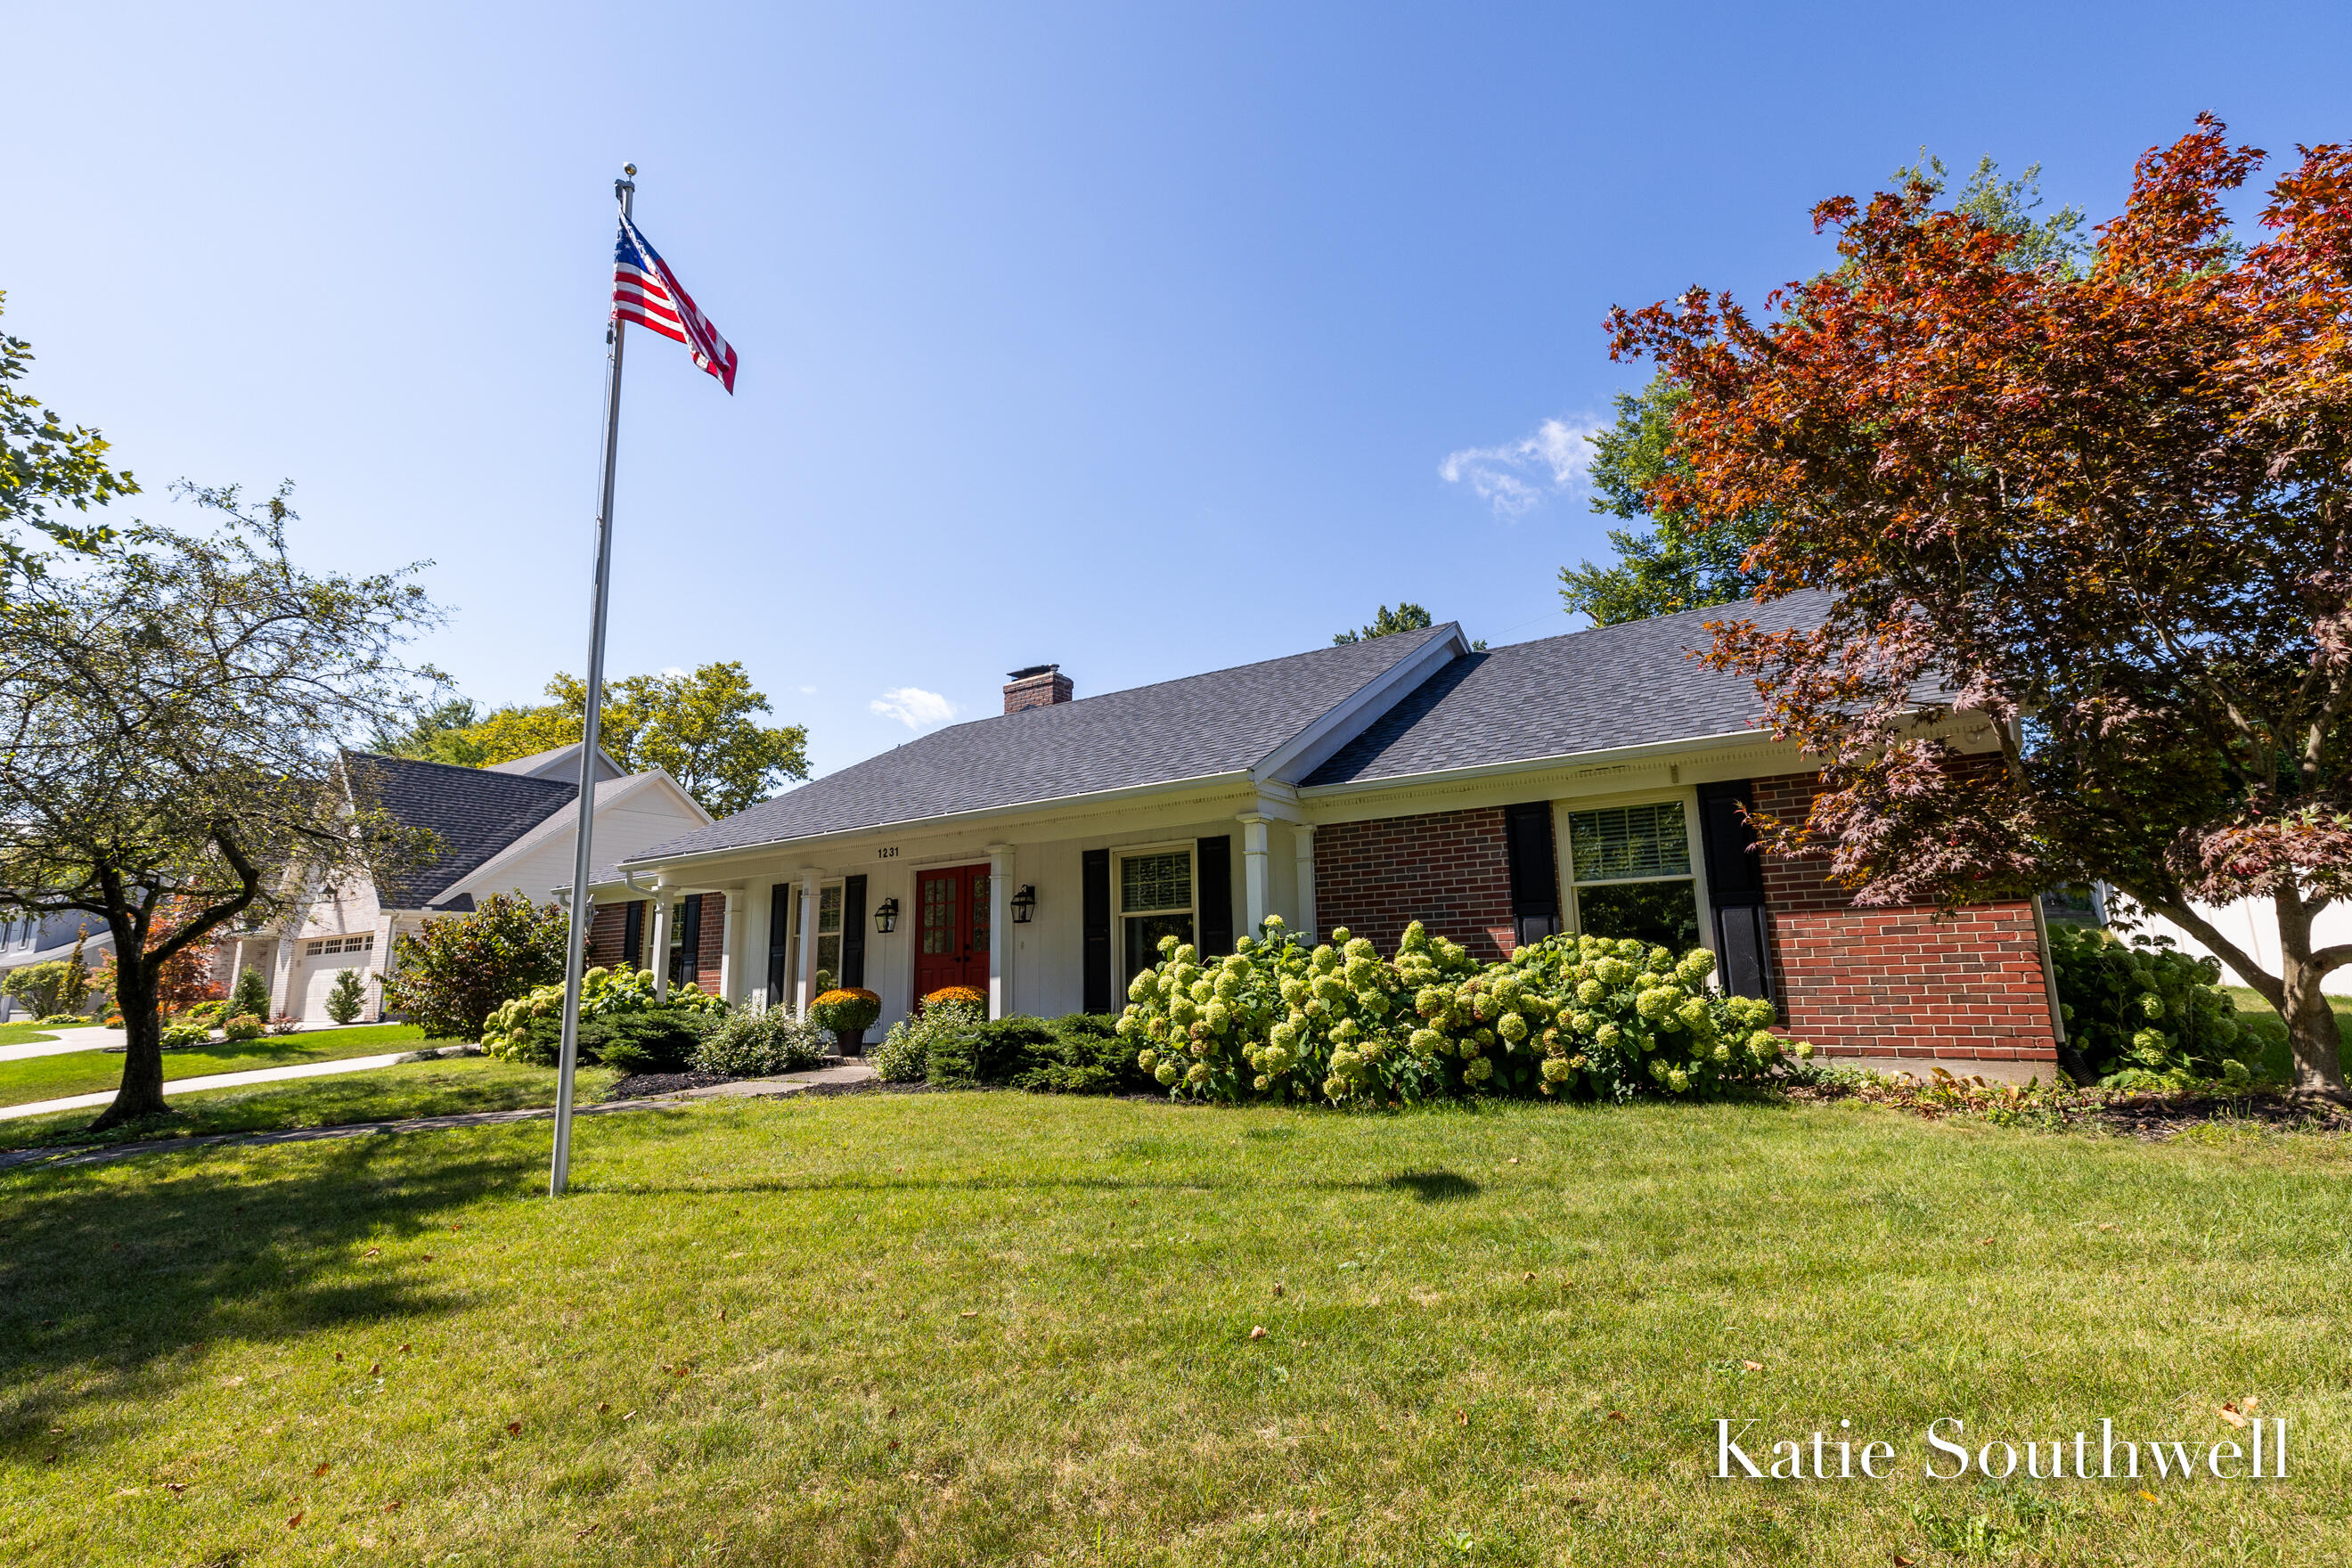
[2253, 924]
[499, 829]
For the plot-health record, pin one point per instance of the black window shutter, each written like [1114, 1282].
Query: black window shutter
[1094, 898]
[689, 931]
[632, 933]
[1214, 865]
[853, 932]
[780, 937]
[1734, 885]
[1535, 870]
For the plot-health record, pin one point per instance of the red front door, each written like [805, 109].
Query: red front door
[951, 928]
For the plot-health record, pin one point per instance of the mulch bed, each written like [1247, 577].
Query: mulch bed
[2156, 1117]
[644, 1085]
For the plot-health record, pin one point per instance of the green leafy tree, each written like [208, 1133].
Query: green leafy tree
[173, 712]
[46, 465]
[1406, 617]
[1672, 562]
[447, 977]
[440, 733]
[347, 997]
[698, 727]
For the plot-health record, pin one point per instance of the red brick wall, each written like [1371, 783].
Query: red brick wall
[1898, 981]
[606, 928]
[1449, 870]
[713, 945]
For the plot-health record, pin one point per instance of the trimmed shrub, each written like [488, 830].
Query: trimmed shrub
[244, 1027]
[180, 1036]
[2145, 1015]
[939, 1040]
[951, 1045]
[1606, 1018]
[660, 1040]
[348, 996]
[69, 1021]
[251, 994]
[210, 1013]
[761, 1045]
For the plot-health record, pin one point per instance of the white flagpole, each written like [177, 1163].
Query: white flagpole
[576, 949]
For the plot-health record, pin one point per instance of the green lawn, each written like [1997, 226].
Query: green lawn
[997, 1329]
[87, 1072]
[380, 1094]
[2263, 1018]
[24, 1034]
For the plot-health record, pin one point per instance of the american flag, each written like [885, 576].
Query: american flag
[645, 291]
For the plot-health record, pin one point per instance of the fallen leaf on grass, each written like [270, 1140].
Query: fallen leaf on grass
[175, 1485]
[2250, 1402]
[404, 1348]
[428, 1258]
[1753, 1365]
[584, 1534]
[324, 1467]
[2149, 1495]
[603, 1405]
[1903, 1562]
[1277, 1290]
[1257, 1330]
[971, 1314]
[1462, 1418]
[291, 1523]
[2107, 1228]
[2230, 1413]
[1616, 1416]
[373, 1252]
[392, 1507]
[514, 1428]
[374, 1367]
[339, 1358]
[893, 1445]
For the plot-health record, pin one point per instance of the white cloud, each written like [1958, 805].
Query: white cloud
[913, 707]
[808, 690]
[1517, 475]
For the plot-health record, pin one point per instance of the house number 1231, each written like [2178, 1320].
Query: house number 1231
[888, 852]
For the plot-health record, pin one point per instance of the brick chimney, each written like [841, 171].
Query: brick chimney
[1039, 686]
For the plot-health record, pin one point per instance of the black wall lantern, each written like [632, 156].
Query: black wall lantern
[1025, 904]
[886, 916]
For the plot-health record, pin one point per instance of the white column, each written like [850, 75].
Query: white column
[657, 945]
[808, 902]
[737, 922]
[1255, 901]
[281, 981]
[1000, 940]
[759, 898]
[1302, 836]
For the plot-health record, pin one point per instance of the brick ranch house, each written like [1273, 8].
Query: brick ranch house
[1592, 783]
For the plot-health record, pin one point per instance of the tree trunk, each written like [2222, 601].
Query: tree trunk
[2311, 1031]
[142, 1094]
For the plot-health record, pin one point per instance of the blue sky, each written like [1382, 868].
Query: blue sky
[1136, 338]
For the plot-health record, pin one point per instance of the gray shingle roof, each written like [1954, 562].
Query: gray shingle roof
[1626, 684]
[473, 812]
[1220, 722]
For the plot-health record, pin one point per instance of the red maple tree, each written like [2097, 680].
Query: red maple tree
[2090, 519]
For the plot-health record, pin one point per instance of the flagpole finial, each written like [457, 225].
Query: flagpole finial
[630, 170]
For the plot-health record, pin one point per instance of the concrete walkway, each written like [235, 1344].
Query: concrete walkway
[67, 1041]
[214, 1080]
[848, 1076]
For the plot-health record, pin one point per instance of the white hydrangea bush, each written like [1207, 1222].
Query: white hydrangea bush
[1589, 1016]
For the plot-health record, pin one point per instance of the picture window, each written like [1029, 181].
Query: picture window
[1632, 869]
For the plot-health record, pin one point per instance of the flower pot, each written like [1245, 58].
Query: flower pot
[849, 1042]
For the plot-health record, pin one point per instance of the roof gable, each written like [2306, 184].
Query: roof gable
[1634, 684]
[1226, 722]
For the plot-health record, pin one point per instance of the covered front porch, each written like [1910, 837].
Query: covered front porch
[1044, 913]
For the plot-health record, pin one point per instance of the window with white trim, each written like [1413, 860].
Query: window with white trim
[1630, 865]
[1155, 899]
[363, 942]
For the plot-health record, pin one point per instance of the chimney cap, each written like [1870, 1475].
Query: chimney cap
[1032, 669]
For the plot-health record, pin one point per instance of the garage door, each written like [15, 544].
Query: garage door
[323, 960]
